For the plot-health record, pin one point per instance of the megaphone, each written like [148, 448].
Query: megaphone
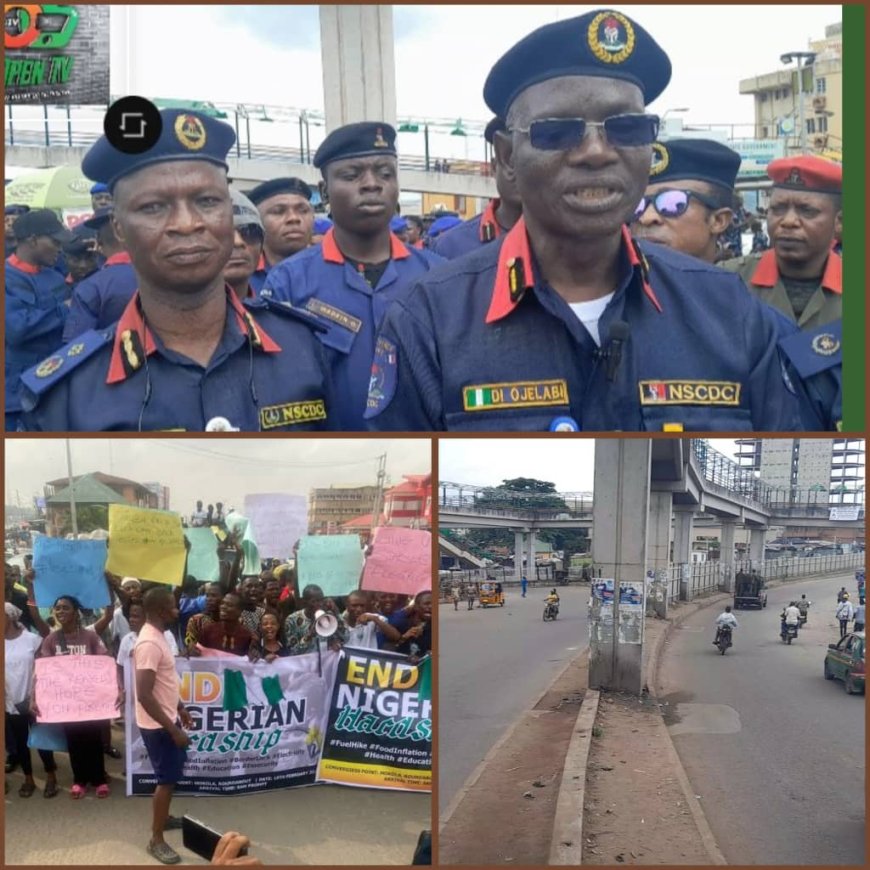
[325, 624]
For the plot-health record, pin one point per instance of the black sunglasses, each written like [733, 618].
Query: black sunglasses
[672, 203]
[251, 233]
[561, 134]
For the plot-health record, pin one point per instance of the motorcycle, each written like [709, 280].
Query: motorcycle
[789, 633]
[723, 641]
[551, 611]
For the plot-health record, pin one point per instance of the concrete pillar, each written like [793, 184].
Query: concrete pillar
[756, 548]
[683, 537]
[661, 507]
[620, 515]
[518, 555]
[726, 555]
[531, 571]
[359, 67]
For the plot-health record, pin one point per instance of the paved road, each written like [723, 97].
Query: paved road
[493, 665]
[324, 825]
[775, 751]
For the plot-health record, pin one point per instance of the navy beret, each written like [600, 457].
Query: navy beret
[99, 187]
[602, 43]
[494, 126]
[442, 224]
[185, 136]
[322, 225]
[699, 159]
[279, 185]
[81, 242]
[398, 224]
[17, 209]
[356, 140]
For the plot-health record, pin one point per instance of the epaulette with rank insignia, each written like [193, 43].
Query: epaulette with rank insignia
[286, 309]
[66, 359]
[811, 352]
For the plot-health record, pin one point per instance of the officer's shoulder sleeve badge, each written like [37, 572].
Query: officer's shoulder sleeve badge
[54, 368]
[814, 352]
[384, 377]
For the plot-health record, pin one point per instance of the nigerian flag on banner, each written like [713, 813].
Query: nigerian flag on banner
[424, 684]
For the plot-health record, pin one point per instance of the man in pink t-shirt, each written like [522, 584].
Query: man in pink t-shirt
[160, 714]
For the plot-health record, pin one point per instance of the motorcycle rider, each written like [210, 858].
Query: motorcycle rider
[553, 600]
[791, 615]
[804, 605]
[725, 620]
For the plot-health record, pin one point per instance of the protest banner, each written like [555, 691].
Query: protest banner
[278, 521]
[380, 724]
[256, 726]
[332, 562]
[241, 527]
[400, 561]
[202, 560]
[70, 568]
[147, 544]
[76, 688]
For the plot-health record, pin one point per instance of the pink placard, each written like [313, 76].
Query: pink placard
[76, 688]
[400, 561]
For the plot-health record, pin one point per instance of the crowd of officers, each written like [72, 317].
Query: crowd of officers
[595, 293]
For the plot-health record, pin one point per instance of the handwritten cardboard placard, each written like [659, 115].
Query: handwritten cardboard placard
[70, 568]
[147, 544]
[400, 561]
[278, 521]
[332, 562]
[202, 560]
[76, 688]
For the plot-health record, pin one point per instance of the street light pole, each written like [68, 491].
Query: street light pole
[799, 56]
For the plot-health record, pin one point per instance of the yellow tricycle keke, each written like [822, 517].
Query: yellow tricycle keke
[491, 593]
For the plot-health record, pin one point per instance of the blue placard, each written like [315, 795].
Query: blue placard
[70, 568]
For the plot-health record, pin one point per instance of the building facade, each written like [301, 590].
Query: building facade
[328, 509]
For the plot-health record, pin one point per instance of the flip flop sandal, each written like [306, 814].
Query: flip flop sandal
[77, 792]
[103, 791]
[164, 853]
[27, 789]
[51, 790]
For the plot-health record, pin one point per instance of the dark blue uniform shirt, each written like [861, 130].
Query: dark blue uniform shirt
[485, 344]
[323, 283]
[35, 315]
[470, 235]
[268, 373]
[100, 300]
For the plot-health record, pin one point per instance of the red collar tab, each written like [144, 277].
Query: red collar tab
[637, 260]
[18, 263]
[118, 259]
[133, 342]
[766, 273]
[489, 226]
[262, 266]
[514, 273]
[249, 326]
[332, 254]
[69, 278]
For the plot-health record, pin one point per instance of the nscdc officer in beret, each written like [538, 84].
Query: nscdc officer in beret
[495, 220]
[288, 220]
[689, 199]
[186, 353]
[566, 322]
[360, 267]
[800, 275]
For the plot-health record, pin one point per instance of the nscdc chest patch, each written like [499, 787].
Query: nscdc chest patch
[610, 37]
[521, 394]
[384, 377]
[685, 392]
[292, 414]
[190, 132]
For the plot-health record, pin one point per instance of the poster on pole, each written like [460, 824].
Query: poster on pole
[202, 560]
[76, 688]
[256, 726]
[400, 561]
[148, 544]
[631, 611]
[332, 562]
[277, 521]
[380, 723]
[65, 567]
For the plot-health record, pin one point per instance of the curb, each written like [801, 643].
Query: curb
[566, 847]
[444, 818]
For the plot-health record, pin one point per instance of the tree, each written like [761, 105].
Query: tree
[89, 517]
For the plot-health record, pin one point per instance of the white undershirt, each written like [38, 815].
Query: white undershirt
[589, 313]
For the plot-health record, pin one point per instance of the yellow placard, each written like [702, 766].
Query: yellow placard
[147, 544]
[374, 775]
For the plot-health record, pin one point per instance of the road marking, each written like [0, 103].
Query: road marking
[705, 719]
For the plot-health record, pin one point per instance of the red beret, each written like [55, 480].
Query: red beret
[812, 174]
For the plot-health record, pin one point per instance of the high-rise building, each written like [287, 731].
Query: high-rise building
[330, 508]
[832, 465]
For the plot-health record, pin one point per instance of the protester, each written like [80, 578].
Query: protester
[198, 517]
[300, 627]
[197, 622]
[252, 612]
[160, 715]
[415, 626]
[228, 634]
[84, 739]
[845, 613]
[366, 629]
[267, 645]
[21, 646]
[388, 603]
[134, 611]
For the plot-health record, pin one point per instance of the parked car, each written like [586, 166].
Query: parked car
[845, 661]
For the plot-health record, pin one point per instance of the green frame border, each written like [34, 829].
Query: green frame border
[854, 218]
